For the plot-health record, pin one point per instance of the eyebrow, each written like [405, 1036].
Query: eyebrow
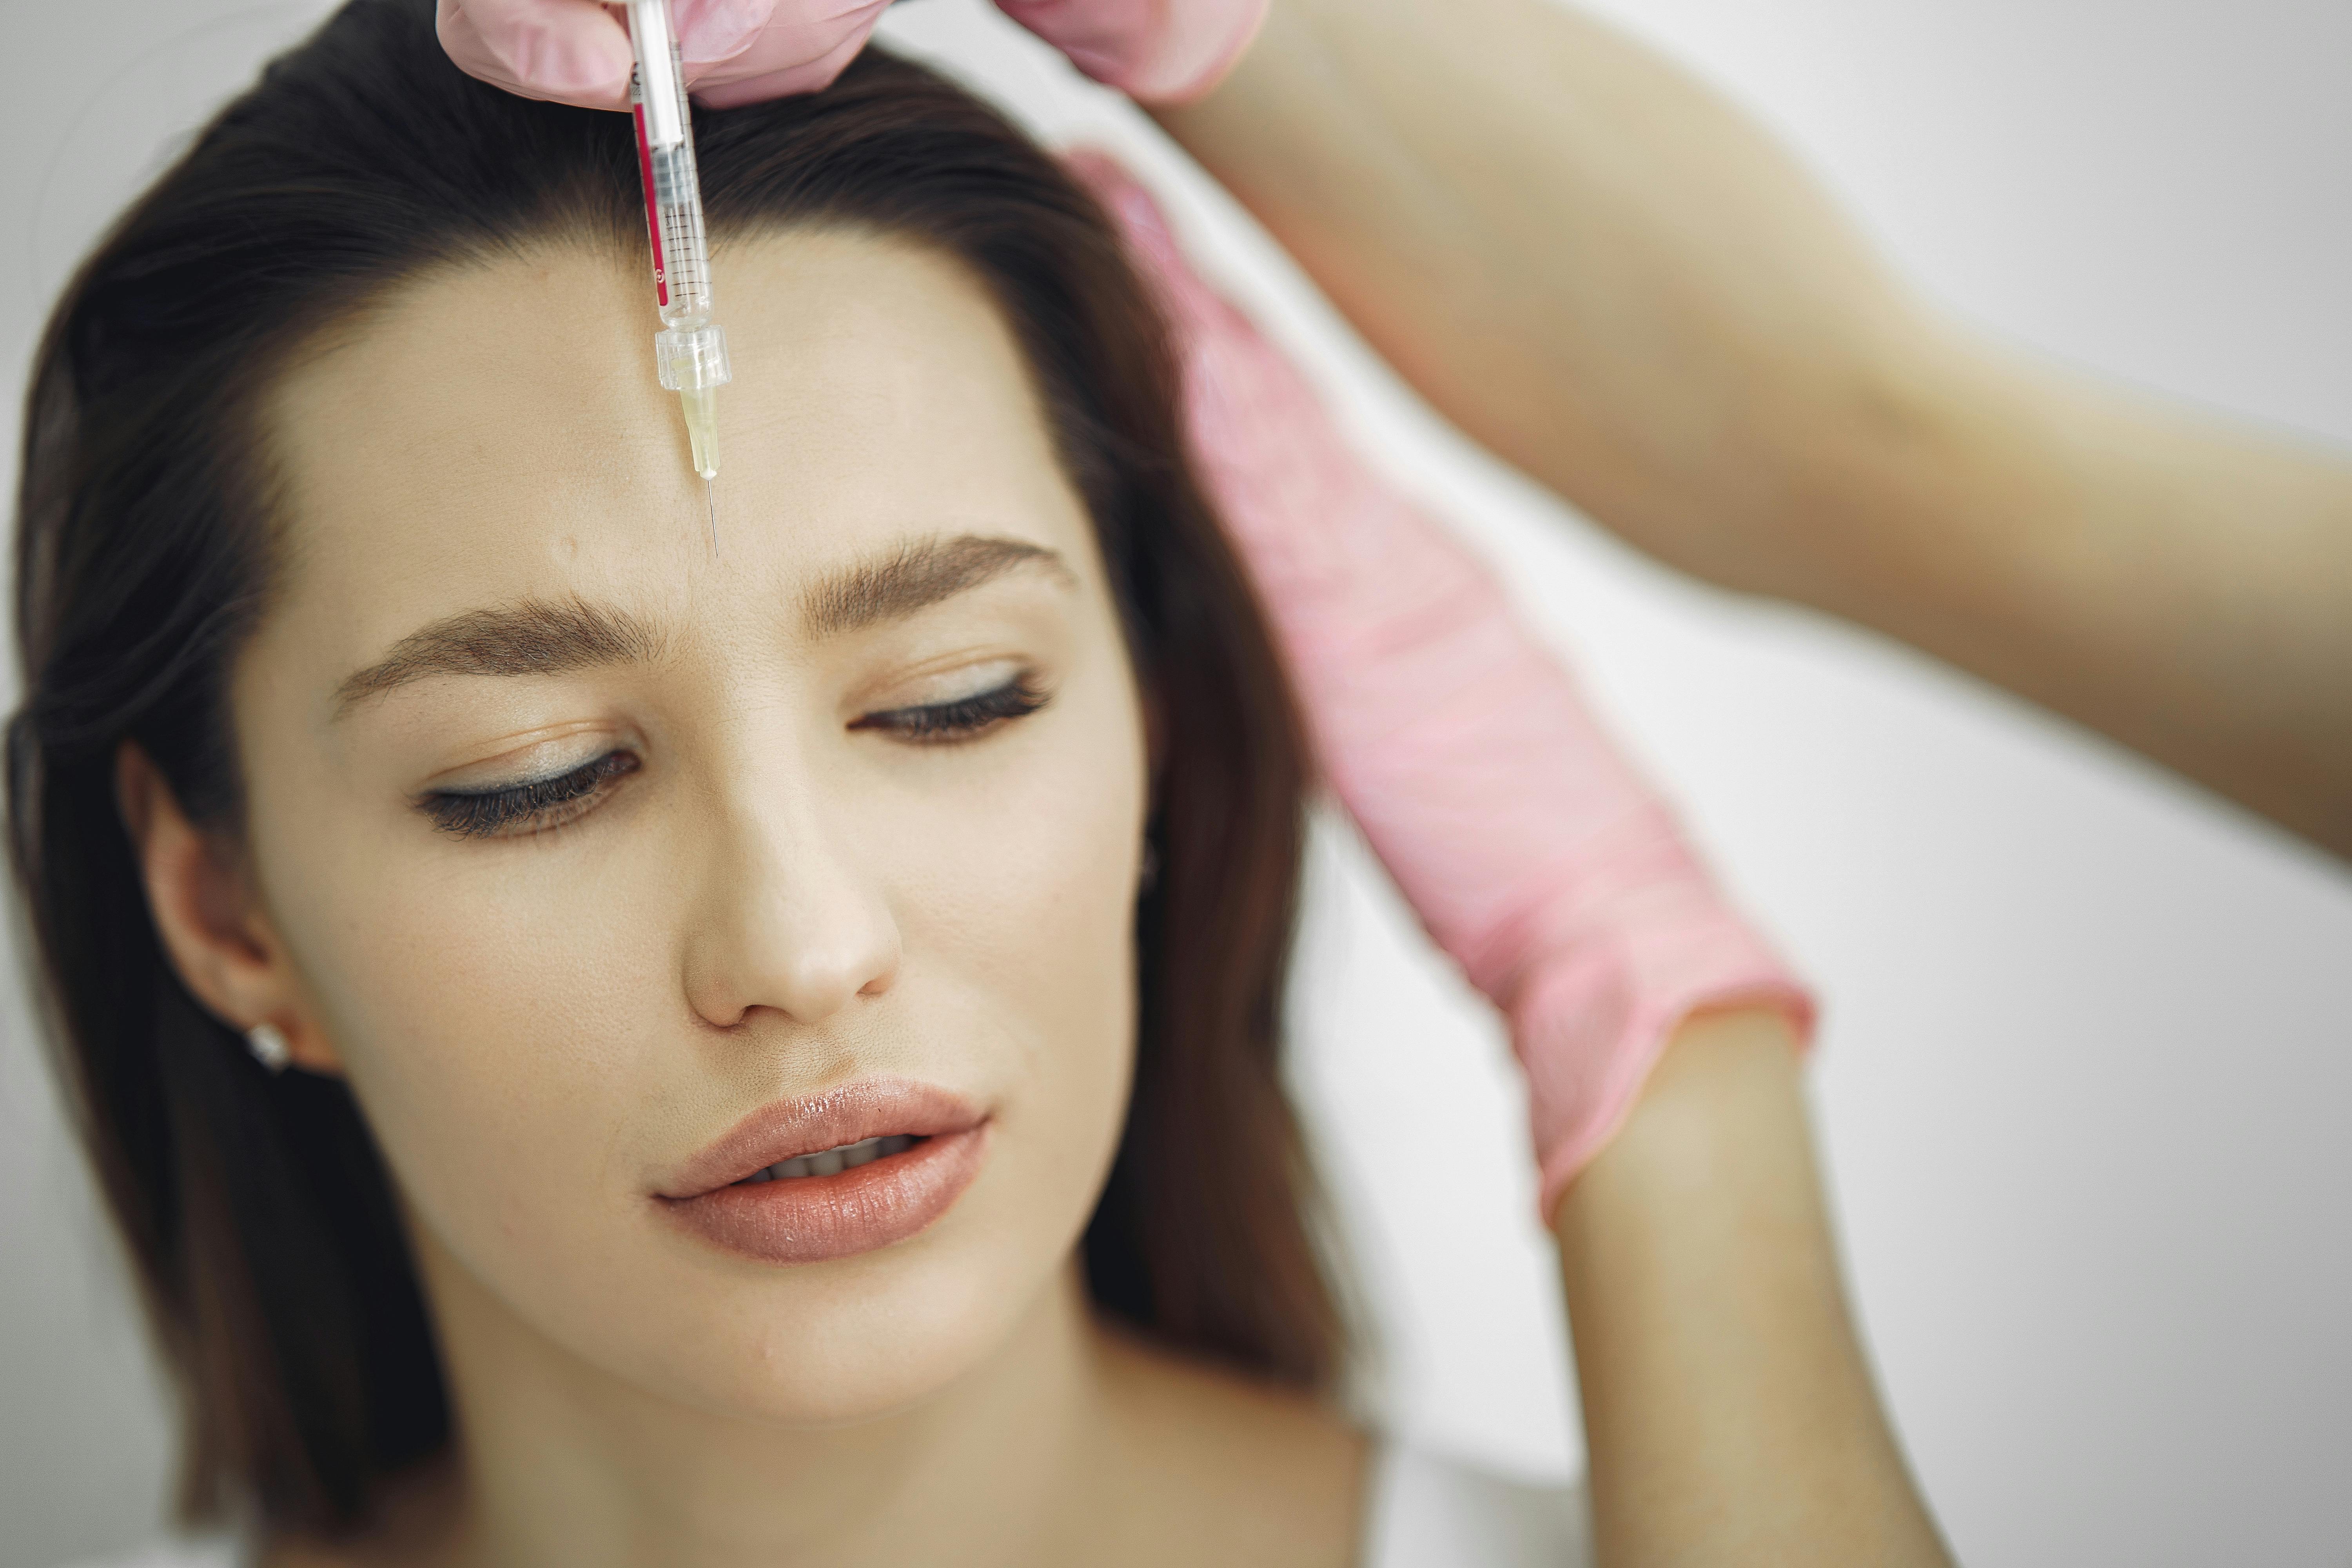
[542, 636]
[918, 576]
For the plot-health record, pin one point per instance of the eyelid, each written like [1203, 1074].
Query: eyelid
[533, 757]
[952, 678]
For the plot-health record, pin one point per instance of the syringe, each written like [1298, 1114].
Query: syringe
[689, 353]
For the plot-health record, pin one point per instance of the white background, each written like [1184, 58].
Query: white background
[2086, 1070]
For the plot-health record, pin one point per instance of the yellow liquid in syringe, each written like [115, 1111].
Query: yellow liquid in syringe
[701, 408]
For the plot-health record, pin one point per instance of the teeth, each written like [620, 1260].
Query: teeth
[833, 1162]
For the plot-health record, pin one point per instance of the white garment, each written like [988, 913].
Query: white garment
[1422, 1512]
[213, 1551]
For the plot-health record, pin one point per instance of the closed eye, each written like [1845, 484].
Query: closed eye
[538, 805]
[964, 719]
[542, 805]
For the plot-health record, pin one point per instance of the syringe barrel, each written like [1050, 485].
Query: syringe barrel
[674, 211]
[674, 227]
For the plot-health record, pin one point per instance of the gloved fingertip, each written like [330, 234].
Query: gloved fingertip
[812, 76]
[1204, 75]
[1162, 53]
[574, 54]
[780, 60]
[712, 32]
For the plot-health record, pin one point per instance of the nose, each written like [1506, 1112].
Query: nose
[788, 920]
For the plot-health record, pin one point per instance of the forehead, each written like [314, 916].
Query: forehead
[495, 431]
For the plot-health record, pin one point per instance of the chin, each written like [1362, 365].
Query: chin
[862, 1339]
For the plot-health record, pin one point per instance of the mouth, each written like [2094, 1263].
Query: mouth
[833, 1162]
[848, 1171]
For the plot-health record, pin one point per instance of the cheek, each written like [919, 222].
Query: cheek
[1017, 893]
[501, 1022]
[1025, 872]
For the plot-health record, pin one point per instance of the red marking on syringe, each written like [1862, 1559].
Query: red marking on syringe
[652, 210]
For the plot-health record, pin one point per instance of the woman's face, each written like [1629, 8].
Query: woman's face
[610, 869]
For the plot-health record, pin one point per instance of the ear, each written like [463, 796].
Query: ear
[214, 929]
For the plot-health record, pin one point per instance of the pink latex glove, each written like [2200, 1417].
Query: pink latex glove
[734, 51]
[743, 51]
[1155, 51]
[1532, 853]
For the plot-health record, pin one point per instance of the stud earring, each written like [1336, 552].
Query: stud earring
[1147, 875]
[268, 1043]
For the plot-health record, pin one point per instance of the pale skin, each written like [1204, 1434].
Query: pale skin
[1613, 278]
[775, 895]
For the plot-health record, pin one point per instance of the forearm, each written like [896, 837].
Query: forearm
[1614, 280]
[2180, 584]
[1581, 254]
[1729, 1412]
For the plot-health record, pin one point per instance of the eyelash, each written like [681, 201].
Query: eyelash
[966, 718]
[542, 806]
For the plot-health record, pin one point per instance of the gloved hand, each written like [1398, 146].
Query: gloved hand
[734, 51]
[742, 51]
[1532, 853]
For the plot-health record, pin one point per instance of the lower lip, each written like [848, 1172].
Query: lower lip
[810, 1219]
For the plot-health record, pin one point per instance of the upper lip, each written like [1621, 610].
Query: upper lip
[870, 1108]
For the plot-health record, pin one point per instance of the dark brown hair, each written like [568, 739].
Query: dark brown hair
[256, 1209]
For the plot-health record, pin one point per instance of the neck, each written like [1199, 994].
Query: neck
[559, 1462]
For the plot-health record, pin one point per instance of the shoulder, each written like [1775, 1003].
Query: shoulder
[1425, 1510]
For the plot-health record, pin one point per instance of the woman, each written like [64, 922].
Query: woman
[786, 1040]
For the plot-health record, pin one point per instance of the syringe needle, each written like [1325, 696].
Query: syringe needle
[711, 506]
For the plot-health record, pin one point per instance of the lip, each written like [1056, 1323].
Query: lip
[809, 1219]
